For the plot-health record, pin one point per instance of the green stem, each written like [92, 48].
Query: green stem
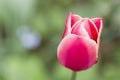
[73, 76]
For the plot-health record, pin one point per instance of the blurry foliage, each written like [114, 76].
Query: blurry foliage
[47, 18]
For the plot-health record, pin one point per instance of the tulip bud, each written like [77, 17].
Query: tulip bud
[78, 49]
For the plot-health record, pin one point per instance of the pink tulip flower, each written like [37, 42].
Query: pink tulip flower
[78, 49]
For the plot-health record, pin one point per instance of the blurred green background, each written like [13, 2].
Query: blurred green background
[30, 31]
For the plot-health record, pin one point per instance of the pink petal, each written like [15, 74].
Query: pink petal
[74, 19]
[70, 21]
[99, 24]
[67, 26]
[77, 53]
[91, 29]
[85, 28]
[79, 29]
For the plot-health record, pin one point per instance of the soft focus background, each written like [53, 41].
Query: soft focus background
[30, 31]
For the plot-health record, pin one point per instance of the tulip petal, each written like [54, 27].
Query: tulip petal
[74, 19]
[91, 29]
[67, 26]
[77, 53]
[70, 21]
[85, 28]
[79, 29]
[98, 22]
